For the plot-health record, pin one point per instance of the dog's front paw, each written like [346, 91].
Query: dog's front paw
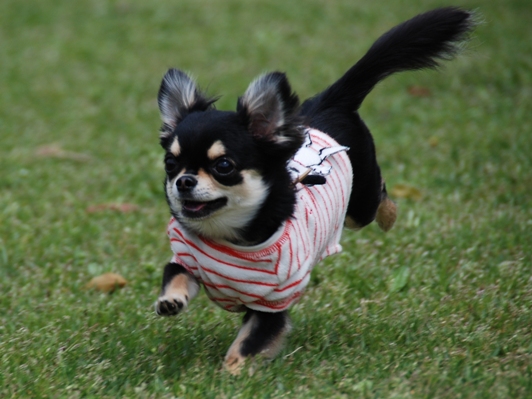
[170, 305]
[234, 363]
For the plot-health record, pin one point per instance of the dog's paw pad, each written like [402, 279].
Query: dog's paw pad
[170, 305]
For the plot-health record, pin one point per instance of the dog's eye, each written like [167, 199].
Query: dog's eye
[223, 166]
[170, 165]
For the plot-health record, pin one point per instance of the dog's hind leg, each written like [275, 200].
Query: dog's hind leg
[261, 334]
[178, 288]
[384, 211]
[368, 191]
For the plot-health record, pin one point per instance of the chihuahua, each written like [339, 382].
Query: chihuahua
[259, 196]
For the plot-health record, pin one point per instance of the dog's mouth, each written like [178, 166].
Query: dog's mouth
[201, 209]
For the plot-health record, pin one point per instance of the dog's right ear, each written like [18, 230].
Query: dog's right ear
[179, 96]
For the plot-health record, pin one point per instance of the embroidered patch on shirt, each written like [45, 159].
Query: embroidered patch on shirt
[309, 159]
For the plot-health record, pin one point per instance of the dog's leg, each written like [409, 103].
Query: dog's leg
[261, 333]
[178, 288]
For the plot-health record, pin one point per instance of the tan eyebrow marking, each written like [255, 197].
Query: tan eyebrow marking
[216, 150]
[175, 148]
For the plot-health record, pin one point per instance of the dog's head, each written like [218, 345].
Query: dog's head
[224, 167]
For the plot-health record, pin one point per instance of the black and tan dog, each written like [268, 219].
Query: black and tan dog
[249, 225]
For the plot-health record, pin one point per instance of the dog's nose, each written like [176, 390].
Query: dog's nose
[186, 183]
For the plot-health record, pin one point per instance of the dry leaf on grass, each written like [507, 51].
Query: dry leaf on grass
[55, 151]
[406, 191]
[124, 208]
[419, 91]
[107, 282]
[434, 141]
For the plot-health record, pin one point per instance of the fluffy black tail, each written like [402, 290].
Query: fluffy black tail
[418, 43]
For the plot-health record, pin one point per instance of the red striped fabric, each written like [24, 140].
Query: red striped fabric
[270, 277]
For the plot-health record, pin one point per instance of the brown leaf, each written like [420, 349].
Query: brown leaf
[419, 91]
[434, 141]
[406, 191]
[55, 151]
[107, 282]
[124, 208]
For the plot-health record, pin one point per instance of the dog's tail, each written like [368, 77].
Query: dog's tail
[418, 43]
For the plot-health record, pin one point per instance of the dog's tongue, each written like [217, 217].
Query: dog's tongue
[194, 206]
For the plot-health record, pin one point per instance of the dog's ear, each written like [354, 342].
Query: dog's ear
[179, 96]
[270, 109]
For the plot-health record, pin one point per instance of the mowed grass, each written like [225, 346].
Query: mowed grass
[439, 307]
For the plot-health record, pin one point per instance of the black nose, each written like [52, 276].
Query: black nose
[186, 183]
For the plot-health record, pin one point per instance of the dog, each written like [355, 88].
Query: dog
[259, 195]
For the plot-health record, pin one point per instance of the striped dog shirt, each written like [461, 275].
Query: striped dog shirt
[271, 276]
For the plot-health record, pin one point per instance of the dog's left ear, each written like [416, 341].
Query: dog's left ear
[270, 109]
[179, 96]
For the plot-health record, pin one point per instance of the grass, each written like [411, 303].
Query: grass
[440, 307]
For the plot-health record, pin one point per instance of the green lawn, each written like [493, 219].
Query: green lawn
[439, 307]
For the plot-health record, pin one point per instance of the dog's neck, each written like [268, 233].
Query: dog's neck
[275, 211]
[277, 208]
